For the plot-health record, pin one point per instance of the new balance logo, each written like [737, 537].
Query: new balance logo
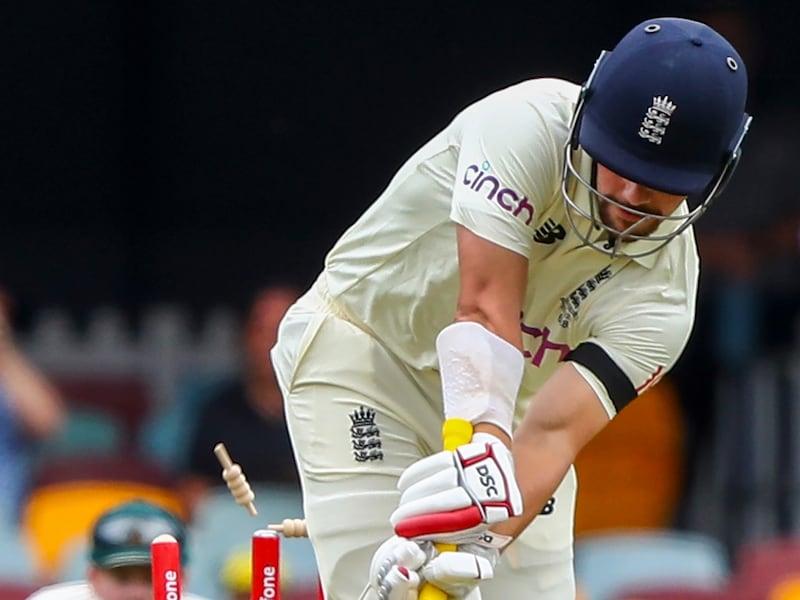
[549, 506]
[549, 232]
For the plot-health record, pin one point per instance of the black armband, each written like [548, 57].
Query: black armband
[593, 357]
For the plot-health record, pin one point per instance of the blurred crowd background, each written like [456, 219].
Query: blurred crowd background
[172, 176]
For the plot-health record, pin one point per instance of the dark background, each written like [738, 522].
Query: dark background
[191, 151]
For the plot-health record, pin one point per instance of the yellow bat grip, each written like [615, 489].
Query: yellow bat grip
[455, 432]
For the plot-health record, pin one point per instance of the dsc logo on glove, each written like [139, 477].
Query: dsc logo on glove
[487, 481]
[482, 471]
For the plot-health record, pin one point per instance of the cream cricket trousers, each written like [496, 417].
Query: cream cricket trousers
[357, 418]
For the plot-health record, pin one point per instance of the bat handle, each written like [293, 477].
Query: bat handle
[455, 432]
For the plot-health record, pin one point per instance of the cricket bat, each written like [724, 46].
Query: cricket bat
[455, 432]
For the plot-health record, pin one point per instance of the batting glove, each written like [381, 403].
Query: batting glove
[454, 496]
[399, 566]
[459, 573]
[393, 571]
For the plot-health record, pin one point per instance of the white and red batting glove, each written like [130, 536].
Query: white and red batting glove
[454, 496]
[459, 573]
[393, 571]
[399, 566]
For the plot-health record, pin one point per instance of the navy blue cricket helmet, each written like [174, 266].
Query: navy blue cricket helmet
[665, 109]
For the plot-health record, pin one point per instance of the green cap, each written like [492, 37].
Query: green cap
[121, 537]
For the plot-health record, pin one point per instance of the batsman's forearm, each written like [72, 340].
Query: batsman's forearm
[495, 431]
[560, 420]
[541, 462]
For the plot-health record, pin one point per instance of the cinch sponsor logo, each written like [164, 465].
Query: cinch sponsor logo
[479, 180]
[540, 343]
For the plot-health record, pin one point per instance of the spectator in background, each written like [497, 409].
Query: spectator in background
[748, 304]
[247, 412]
[119, 557]
[30, 410]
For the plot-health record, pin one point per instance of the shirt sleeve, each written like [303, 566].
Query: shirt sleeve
[637, 343]
[508, 168]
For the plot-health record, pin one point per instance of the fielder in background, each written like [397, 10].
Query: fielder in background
[531, 270]
[119, 556]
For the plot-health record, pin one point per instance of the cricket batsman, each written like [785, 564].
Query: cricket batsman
[527, 273]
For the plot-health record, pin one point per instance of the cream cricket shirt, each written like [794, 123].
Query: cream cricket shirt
[496, 169]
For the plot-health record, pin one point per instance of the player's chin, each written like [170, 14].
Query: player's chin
[624, 232]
